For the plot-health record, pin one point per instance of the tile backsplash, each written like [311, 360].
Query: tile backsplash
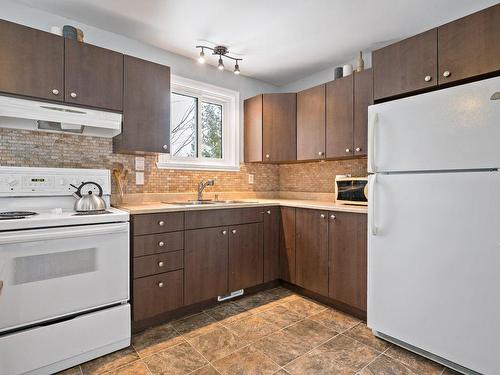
[42, 149]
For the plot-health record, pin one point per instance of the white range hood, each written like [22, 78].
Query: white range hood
[34, 115]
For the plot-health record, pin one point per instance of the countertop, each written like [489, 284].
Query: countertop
[155, 207]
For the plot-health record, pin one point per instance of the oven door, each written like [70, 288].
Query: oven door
[51, 273]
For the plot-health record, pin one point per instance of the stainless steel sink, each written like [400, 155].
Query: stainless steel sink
[190, 203]
[233, 202]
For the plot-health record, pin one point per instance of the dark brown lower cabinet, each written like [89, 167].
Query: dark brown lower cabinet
[287, 244]
[154, 295]
[312, 250]
[246, 256]
[348, 258]
[271, 243]
[205, 264]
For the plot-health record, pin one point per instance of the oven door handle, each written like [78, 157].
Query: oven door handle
[60, 233]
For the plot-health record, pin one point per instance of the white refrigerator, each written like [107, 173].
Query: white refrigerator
[434, 225]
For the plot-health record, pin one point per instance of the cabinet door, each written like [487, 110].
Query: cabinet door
[205, 264]
[93, 76]
[253, 129]
[146, 108]
[406, 66]
[279, 127]
[363, 97]
[348, 258]
[245, 256]
[339, 117]
[470, 46]
[287, 244]
[312, 250]
[271, 243]
[311, 123]
[31, 62]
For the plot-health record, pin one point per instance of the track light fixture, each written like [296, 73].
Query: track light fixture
[220, 51]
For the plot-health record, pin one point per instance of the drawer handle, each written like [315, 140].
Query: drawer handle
[160, 264]
[358, 149]
[73, 95]
[161, 223]
[322, 216]
[55, 92]
[333, 217]
[446, 73]
[427, 78]
[160, 284]
[224, 232]
[268, 212]
[161, 243]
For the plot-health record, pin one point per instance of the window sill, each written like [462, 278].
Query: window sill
[198, 166]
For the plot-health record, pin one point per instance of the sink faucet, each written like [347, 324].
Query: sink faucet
[202, 185]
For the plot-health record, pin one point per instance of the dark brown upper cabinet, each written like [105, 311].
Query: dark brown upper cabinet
[312, 250]
[246, 262]
[348, 258]
[93, 76]
[339, 117]
[405, 66]
[363, 98]
[311, 123]
[31, 62]
[146, 108]
[469, 46]
[270, 122]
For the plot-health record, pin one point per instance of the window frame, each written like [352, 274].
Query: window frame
[229, 100]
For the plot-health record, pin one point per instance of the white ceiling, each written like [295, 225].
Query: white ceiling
[280, 40]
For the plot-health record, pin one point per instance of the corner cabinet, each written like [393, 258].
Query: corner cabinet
[311, 123]
[270, 123]
[146, 108]
[31, 62]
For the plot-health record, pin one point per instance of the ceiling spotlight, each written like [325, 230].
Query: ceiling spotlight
[201, 59]
[222, 52]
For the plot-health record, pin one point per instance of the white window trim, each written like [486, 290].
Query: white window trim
[230, 127]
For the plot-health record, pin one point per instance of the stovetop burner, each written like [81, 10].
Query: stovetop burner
[16, 214]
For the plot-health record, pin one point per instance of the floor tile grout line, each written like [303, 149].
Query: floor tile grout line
[408, 367]
[373, 360]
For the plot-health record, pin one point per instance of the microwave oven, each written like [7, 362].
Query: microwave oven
[351, 190]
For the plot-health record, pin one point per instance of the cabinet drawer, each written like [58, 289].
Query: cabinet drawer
[216, 218]
[157, 294]
[158, 243]
[158, 223]
[154, 264]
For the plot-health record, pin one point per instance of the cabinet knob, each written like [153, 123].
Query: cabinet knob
[347, 150]
[268, 212]
[55, 92]
[165, 147]
[160, 284]
[267, 156]
[358, 149]
[224, 232]
[233, 231]
[428, 78]
[333, 217]
[322, 216]
[73, 95]
[446, 73]
[160, 264]
[161, 223]
[321, 153]
[161, 243]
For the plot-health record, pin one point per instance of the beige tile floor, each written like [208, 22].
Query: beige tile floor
[272, 332]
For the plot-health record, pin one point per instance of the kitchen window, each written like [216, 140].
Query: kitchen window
[204, 130]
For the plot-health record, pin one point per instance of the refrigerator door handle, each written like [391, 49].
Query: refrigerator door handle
[371, 207]
[371, 142]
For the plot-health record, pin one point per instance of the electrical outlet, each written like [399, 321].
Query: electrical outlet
[251, 178]
[139, 178]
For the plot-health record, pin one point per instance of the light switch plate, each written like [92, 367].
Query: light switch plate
[139, 178]
[139, 163]
[251, 178]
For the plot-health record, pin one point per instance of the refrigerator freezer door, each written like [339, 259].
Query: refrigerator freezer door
[451, 129]
[433, 264]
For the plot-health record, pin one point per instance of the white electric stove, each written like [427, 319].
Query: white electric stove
[64, 276]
